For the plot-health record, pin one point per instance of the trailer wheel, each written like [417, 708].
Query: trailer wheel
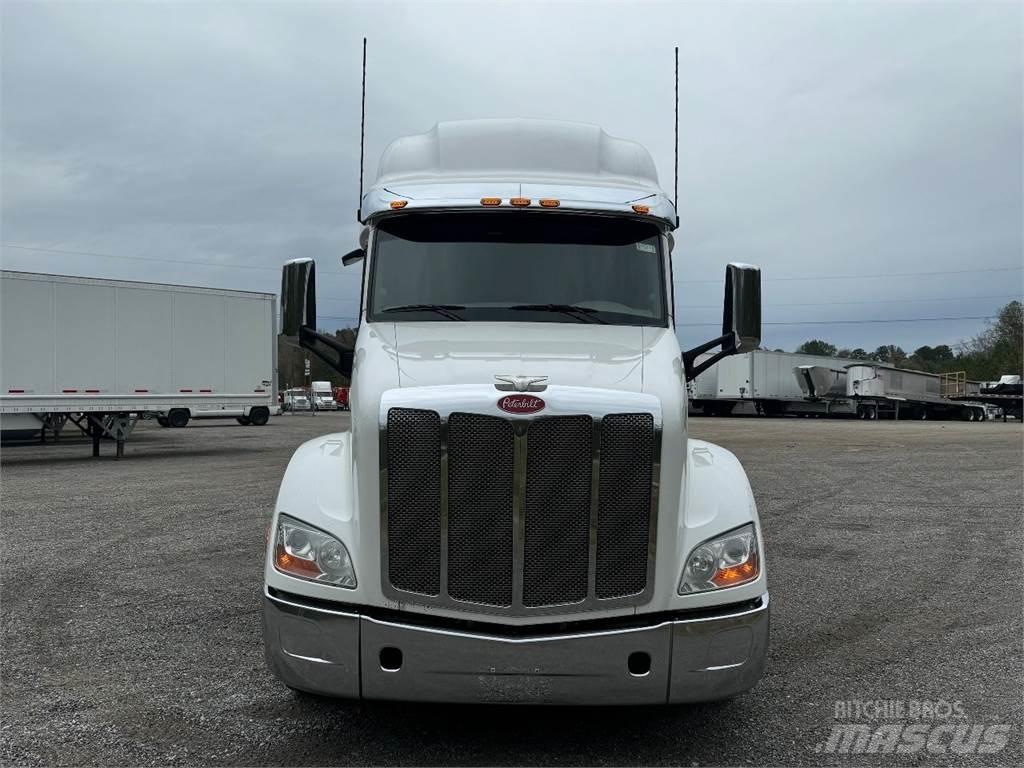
[162, 421]
[244, 421]
[259, 416]
[922, 414]
[178, 417]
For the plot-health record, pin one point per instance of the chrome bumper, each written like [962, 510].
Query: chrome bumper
[354, 655]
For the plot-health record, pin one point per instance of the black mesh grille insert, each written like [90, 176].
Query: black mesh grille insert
[480, 464]
[624, 512]
[558, 469]
[414, 500]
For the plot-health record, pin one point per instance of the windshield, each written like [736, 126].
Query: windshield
[517, 266]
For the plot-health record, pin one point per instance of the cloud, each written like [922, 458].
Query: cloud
[816, 139]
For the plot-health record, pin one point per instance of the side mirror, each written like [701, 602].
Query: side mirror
[742, 310]
[298, 316]
[298, 296]
[741, 320]
[353, 256]
[358, 254]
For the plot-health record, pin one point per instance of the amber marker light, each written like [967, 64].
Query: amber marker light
[642, 209]
[519, 202]
[546, 202]
[399, 204]
[490, 201]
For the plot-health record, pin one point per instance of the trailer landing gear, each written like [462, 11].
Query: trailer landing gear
[115, 426]
[54, 422]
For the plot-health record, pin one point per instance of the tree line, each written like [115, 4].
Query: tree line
[998, 350]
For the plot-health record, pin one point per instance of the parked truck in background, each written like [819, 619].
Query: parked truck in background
[341, 397]
[101, 354]
[296, 399]
[518, 513]
[322, 396]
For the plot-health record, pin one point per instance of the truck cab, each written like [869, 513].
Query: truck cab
[516, 513]
[323, 396]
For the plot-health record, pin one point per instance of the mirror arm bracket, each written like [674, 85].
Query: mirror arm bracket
[728, 342]
[336, 354]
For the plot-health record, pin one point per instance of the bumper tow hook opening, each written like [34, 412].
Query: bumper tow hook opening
[639, 664]
[390, 659]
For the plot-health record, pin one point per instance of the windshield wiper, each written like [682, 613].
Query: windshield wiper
[583, 314]
[445, 310]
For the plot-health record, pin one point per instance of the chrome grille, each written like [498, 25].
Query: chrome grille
[518, 515]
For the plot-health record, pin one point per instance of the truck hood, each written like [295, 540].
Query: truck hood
[567, 353]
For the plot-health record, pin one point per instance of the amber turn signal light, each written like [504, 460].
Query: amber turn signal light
[737, 574]
[642, 209]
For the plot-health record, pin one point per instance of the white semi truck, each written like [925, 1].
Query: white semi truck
[517, 513]
[322, 396]
[101, 354]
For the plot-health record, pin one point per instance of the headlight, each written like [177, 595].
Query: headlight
[725, 561]
[303, 551]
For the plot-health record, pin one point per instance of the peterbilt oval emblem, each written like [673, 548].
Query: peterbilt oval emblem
[520, 404]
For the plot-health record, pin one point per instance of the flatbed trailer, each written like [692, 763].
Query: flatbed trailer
[102, 354]
[881, 390]
[781, 383]
[956, 387]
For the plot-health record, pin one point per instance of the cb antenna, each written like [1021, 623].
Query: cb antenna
[676, 188]
[362, 138]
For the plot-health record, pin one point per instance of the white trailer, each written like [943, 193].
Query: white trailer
[762, 382]
[104, 353]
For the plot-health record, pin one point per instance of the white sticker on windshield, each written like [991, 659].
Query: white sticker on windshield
[646, 247]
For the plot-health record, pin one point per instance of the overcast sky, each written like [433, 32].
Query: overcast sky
[818, 139]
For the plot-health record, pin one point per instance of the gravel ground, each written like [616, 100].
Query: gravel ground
[131, 625]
